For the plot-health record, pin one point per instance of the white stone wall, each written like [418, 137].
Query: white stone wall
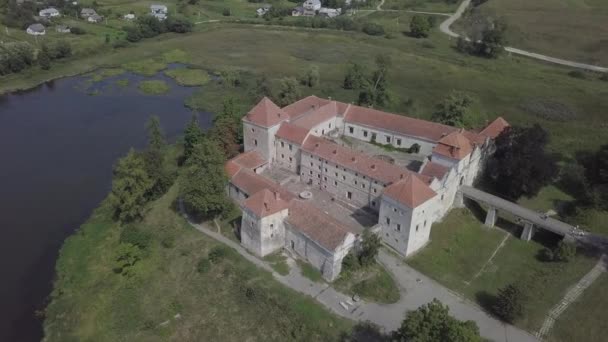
[327, 262]
[324, 127]
[235, 193]
[384, 137]
[287, 155]
[263, 236]
[260, 139]
[345, 184]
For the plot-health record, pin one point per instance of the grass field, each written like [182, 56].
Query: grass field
[154, 87]
[442, 6]
[188, 77]
[372, 283]
[577, 323]
[569, 29]
[168, 296]
[461, 245]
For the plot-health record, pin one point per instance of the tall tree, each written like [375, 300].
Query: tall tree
[492, 40]
[192, 136]
[203, 182]
[454, 110]
[156, 137]
[370, 246]
[289, 92]
[130, 187]
[354, 78]
[520, 166]
[420, 26]
[432, 322]
[596, 176]
[154, 157]
[227, 130]
[509, 304]
[312, 78]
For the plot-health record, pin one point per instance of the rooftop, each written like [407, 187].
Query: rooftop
[292, 133]
[495, 128]
[265, 202]
[266, 114]
[454, 145]
[251, 183]
[434, 170]
[251, 159]
[410, 191]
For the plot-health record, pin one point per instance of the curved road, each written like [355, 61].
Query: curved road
[445, 28]
[415, 290]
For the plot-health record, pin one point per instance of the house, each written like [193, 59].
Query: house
[330, 12]
[311, 7]
[263, 10]
[95, 18]
[129, 16]
[49, 12]
[159, 11]
[36, 30]
[63, 29]
[296, 141]
[87, 12]
[297, 11]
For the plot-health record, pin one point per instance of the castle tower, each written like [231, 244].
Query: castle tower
[262, 224]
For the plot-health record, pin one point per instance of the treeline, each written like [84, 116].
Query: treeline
[148, 26]
[18, 56]
[344, 23]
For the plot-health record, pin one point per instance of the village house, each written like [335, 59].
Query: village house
[36, 30]
[159, 11]
[87, 12]
[49, 12]
[263, 10]
[129, 16]
[311, 7]
[63, 29]
[298, 142]
[95, 18]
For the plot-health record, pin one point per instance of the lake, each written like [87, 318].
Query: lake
[58, 143]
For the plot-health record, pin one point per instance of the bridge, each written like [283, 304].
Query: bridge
[531, 219]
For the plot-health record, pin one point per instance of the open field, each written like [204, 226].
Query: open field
[442, 6]
[423, 72]
[460, 246]
[170, 294]
[568, 29]
[579, 321]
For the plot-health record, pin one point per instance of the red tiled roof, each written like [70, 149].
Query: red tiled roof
[397, 123]
[304, 106]
[250, 182]
[495, 128]
[317, 225]
[317, 116]
[454, 145]
[232, 168]
[250, 159]
[351, 159]
[265, 202]
[410, 191]
[266, 114]
[434, 170]
[292, 133]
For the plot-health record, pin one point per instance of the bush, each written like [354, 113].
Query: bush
[415, 148]
[564, 251]
[604, 77]
[178, 24]
[203, 266]
[217, 253]
[350, 263]
[77, 31]
[135, 236]
[373, 29]
[15, 57]
[119, 44]
[226, 12]
[577, 74]
[168, 241]
[509, 304]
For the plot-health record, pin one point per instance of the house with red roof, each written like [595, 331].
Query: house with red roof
[297, 140]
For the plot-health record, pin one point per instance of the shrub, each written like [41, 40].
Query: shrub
[226, 12]
[203, 266]
[564, 251]
[373, 29]
[577, 74]
[350, 263]
[125, 257]
[168, 241]
[604, 76]
[135, 236]
[415, 148]
[217, 253]
[119, 44]
[509, 304]
[77, 30]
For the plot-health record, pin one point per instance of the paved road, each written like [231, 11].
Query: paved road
[445, 28]
[415, 289]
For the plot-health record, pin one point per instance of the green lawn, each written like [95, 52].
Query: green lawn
[584, 319]
[154, 87]
[570, 29]
[372, 283]
[309, 271]
[442, 6]
[460, 246]
[188, 76]
[278, 262]
[231, 301]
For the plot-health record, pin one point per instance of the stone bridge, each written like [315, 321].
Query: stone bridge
[530, 219]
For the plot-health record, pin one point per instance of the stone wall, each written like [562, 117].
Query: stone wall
[384, 137]
[287, 155]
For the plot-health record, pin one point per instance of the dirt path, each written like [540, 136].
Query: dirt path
[445, 28]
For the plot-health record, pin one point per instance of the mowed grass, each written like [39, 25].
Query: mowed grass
[188, 77]
[580, 321]
[460, 247]
[372, 283]
[167, 298]
[441, 6]
[309, 271]
[419, 78]
[569, 29]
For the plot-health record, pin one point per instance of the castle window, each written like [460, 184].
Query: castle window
[319, 167]
[363, 185]
[290, 159]
[388, 221]
[398, 142]
[271, 225]
[325, 179]
[388, 140]
[425, 223]
[255, 142]
[398, 227]
[310, 172]
[282, 156]
[355, 182]
[252, 129]
[375, 190]
[330, 125]
[442, 195]
[349, 195]
[417, 226]
[325, 169]
[373, 203]
[335, 183]
[336, 174]
[343, 177]
[290, 147]
[394, 210]
[365, 134]
[351, 129]
[311, 164]
[282, 144]
[319, 175]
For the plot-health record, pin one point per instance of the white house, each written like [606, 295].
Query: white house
[63, 29]
[36, 30]
[49, 12]
[95, 18]
[129, 16]
[263, 10]
[87, 12]
[159, 11]
[311, 7]
[330, 12]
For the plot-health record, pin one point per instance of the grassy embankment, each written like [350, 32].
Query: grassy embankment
[569, 29]
[372, 283]
[168, 297]
[461, 246]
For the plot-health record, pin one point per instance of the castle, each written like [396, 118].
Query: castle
[301, 142]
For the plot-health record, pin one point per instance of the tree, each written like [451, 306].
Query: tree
[154, 156]
[432, 322]
[509, 304]
[156, 137]
[596, 174]
[202, 187]
[420, 26]
[492, 40]
[289, 92]
[454, 110]
[520, 166]
[354, 78]
[564, 251]
[264, 87]
[227, 130]
[375, 90]
[43, 59]
[192, 136]
[369, 248]
[312, 77]
[130, 186]
[178, 24]
[125, 257]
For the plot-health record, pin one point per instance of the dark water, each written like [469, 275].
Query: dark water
[57, 148]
